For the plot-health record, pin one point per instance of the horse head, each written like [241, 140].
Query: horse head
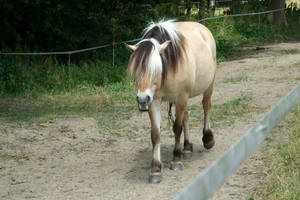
[146, 67]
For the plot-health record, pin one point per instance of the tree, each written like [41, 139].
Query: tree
[59, 25]
[235, 6]
[202, 10]
[211, 6]
[188, 5]
[279, 16]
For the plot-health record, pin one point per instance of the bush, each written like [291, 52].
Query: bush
[48, 75]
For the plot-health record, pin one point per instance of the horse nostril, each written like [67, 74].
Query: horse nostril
[148, 99]
[144, 100]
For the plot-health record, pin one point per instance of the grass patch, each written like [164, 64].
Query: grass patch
[235, 80]
[224, 114]
[33, 77]
[277, 79]
[282, 180]
[7, 156]
[106, 104]
[289, 51]
[228, 112]
[31, 197]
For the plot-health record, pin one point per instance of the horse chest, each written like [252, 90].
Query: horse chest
[170, 94]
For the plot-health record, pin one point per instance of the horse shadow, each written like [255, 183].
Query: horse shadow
[139, 173]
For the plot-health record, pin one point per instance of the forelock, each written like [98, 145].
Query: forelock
[146, 59]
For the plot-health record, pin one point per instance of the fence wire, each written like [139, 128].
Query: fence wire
[241, 15]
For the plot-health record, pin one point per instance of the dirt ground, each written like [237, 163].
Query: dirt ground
[75, 158]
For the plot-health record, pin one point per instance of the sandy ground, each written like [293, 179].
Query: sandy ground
[75, 158]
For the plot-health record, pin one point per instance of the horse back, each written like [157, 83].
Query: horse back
[196, 71]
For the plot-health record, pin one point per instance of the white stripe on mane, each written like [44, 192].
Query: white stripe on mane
[165, 26]
[155, 63]
[147, 60]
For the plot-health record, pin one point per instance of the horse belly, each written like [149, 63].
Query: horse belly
[171, 94]
[202, 82]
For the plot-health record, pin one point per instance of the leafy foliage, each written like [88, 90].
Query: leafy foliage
[31, 77]
[62, 25]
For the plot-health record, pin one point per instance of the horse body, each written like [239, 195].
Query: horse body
[173, 62]
[197, 72]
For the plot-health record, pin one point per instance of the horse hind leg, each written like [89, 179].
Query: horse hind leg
[208, 136]
[188, 146]
[176, 164]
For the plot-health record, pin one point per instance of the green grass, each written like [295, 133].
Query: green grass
[282, 180]
[277, 79]
[31, 196]
[33, 77]
[230, 111]
[224, 114]
[7, 156]
[289, 51]
[109, 105]
[235, 80]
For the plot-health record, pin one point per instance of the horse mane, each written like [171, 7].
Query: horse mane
[145, 54]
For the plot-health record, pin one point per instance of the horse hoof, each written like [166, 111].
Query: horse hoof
[176, 166]
[209, 144]
[155, 178]
[187, 155]
[208, 139]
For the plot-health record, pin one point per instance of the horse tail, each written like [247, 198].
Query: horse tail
[170, 114]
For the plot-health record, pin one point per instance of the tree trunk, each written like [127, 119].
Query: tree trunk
[202, 10]
[211, 7]
[188, 5]
[235, 6]
[279, 16]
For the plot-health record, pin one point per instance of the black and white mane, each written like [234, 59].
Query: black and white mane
[147, 60]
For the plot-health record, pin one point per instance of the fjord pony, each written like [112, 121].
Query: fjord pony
[173, 62]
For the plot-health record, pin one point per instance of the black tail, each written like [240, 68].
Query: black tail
[170, 114]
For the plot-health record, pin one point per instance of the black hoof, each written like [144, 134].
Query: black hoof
[209, 145]
[176, 166]
[208, 139]
[187, 155]
[155, 178]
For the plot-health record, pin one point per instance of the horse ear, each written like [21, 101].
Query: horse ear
[163, 46]
[131, 47]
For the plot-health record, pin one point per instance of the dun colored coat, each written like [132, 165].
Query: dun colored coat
[173, 62]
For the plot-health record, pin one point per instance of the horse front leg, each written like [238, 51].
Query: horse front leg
[181, 105]
[154, 114]
[208, 137]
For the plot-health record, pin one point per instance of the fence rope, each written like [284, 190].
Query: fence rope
[56, 52]
[213, 177]
[127, 41]
[240, 15]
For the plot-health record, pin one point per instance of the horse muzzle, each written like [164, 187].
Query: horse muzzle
[144, 102]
